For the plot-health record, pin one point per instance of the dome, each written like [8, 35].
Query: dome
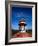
[22, 22]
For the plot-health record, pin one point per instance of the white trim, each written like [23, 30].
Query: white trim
[9, 21]
[22, 22]
[20, 4]
[20, 39]
[33, 23]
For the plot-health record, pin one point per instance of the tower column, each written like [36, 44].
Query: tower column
[22, 25]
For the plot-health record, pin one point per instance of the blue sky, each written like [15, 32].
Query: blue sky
[19, 13]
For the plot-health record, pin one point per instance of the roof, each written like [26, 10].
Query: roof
[22, 20]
